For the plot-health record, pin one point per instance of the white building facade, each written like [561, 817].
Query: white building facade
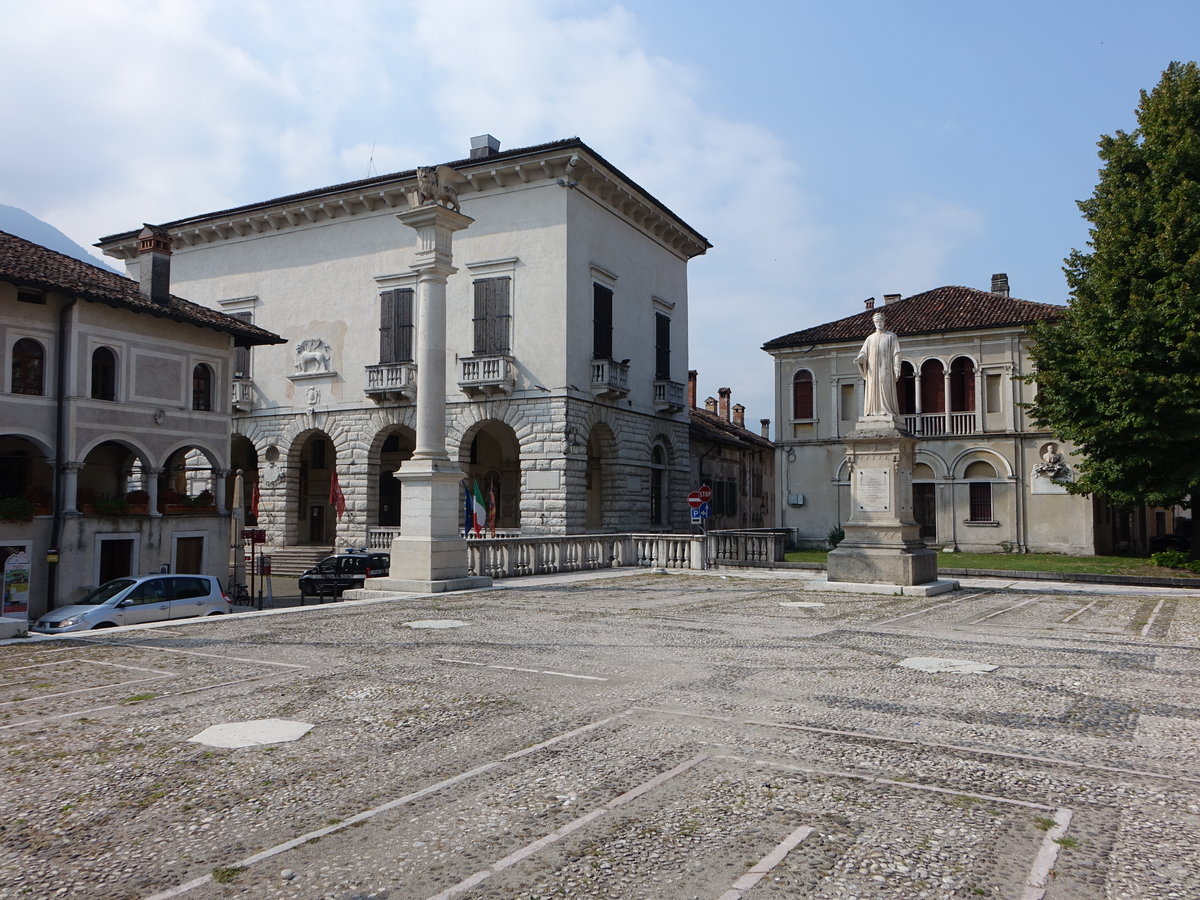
[566, 346]
[984, 479]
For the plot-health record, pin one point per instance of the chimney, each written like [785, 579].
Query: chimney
[484, 145]
[869, 303]
[764, 428]
[739, 415]
[710, 404]
[1000, 284]
[724, 393]
[154, 250]
[692, 376]
[890, 298]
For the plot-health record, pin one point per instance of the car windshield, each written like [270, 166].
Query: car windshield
[105, 592]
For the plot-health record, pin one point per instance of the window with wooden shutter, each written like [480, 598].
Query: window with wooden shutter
[396, 326]
[602, 323]
[662, 346]
[492, 319]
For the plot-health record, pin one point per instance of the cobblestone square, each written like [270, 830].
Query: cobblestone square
[701, 735]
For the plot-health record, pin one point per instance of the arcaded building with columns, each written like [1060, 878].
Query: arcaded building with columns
[984, 477]
[566, 343]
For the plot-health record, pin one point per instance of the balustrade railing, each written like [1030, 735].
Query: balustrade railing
[610, 377]
[934, 424]
[513, 557]
[760, 547]
[487, 374]
[397, 379]
[668, 394]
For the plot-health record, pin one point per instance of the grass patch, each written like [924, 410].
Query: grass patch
[138, 698]
[1068, 842]
[1031, 562]
[1043, 823]
[226, 874]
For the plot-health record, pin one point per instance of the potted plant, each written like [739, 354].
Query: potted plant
[111, 506]
[40, 497]
[139, 502]
[202, 502]
[16, 509]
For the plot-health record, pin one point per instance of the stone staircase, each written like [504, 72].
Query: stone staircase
[294, 561]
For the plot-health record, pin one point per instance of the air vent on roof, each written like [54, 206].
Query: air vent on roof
[1000, 283]
[484, 145]
[890, 298]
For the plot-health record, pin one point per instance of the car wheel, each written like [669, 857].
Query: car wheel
[103, 625]
[216, 612]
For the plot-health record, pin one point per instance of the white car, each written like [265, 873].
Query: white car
[136, 599]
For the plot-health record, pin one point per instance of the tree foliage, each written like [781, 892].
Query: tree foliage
[1119, 373]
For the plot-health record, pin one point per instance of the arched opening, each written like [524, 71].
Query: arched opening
[202, 388]
[802, 395]
[106, 479]
[26, 478]
[104, 374]
[925, 500]
[493, 461]
[312, 518]
[244, 456]
[906, 389]
[600, 447]
[980, 491]
[28, 367]
[933, 387]
[962, 385]
[395, 445]
[188, 484]
[658, 485]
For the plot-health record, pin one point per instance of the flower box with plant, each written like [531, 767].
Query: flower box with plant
[16, 509]
[139, 502]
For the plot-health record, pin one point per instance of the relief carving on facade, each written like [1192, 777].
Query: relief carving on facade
[1051, 474]
[313, 357]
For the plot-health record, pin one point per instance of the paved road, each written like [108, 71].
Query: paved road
[658, 736]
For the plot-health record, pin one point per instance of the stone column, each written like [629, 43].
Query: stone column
[150, 483]
[70, 488]
[430, 554]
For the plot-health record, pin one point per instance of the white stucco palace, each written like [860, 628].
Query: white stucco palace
[984, 478]
[567, 325]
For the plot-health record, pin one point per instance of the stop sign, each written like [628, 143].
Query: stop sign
[705, 493]
[694, 500]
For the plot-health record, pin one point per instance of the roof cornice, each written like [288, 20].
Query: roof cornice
[571, 164]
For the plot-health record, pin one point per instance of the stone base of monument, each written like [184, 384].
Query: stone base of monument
[431, 555]
[929, 589]
[882, 544]
[870, 559]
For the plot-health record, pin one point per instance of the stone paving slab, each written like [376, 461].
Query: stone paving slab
[658, 736]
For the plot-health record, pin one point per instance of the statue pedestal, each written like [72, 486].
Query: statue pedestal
[882, 543]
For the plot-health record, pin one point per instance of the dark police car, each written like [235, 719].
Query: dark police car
[335, 574]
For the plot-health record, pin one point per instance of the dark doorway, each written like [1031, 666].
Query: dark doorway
[116, 559]
[925, 511]
[316, 524]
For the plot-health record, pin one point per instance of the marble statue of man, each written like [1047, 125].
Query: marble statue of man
[879, 363]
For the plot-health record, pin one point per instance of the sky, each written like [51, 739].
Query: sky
[829, 151]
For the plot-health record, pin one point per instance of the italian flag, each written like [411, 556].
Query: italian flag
[478, 509]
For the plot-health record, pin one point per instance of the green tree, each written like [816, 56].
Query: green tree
[1119, 373]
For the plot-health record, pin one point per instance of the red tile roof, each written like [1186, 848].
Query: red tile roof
[27, 264]
[714, 428]
[937, 311]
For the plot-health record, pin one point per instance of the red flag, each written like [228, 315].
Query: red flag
[491, 508]
[254, 501]
[336, 498]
